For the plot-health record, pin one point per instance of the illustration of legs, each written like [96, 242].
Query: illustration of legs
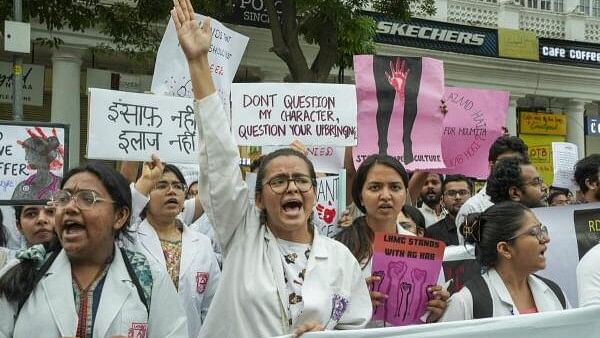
[411, 92]
[386, 95]
[375, 286]
[396, 271]
[406, 290]
[418, 277]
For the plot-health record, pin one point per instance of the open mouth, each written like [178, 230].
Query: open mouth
[172, 201]
[292, 207]
[385, 206]
[541, 255]
[72, 229]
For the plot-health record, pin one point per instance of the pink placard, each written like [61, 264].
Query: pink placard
[474, 121]
[399, 109]
[407, 266]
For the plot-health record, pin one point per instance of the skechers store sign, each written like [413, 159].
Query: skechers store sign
[570, 53]
[427, 34]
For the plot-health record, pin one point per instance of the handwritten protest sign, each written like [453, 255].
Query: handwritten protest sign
[473, 122]
[564, 157]
[399, 109]
[540, 153]
[34, 159]
[326, 159]
[407, 266]
[132, 126]
[171, 74]
[326, 211]
[278, 113]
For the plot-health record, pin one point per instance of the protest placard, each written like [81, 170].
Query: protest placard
[171, 74]
[399, 111]
[473, 122]
[407, 266]
[564, 157]
[132, 126]
[34, 160]
[278, 113]
[326, 159]
[326, 210]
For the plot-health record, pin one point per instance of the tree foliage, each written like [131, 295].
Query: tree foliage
[338, 27]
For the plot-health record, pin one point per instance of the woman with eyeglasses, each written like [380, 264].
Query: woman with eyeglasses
[279, 274]
[379, 191]
[90, 287]
[187, 255]
[510, 245]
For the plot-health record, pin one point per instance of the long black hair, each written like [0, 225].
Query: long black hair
[19, 281]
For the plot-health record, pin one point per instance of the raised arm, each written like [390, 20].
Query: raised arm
[222, 190]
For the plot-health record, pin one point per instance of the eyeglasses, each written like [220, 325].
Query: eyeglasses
[539, 231]
[536, 182]
[280, 184]
[457, 193]
[164, 185]
[84, 199]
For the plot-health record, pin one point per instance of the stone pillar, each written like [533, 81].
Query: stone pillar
[66, 73]
[511, 115]
[575, 125]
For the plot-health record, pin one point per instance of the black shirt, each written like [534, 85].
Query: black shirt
[443, 230]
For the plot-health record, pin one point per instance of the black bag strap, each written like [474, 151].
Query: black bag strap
[556, 289]
[483, 307]
[38, 276]
[135, 280]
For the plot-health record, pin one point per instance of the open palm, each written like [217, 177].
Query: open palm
[194, 39]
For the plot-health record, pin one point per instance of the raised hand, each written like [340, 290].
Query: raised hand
[397, 75]
[194, 39]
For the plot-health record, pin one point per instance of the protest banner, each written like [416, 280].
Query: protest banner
[132, 126]
[278, 113]
[587, 229]
[580, 323]
[171, 75]
[407, 266]
[473, 122]
[564, 158]
[34, 160]
[325, 159]
[399, 112]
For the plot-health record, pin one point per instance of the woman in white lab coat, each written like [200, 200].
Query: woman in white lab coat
[379, 192]
[510, 245]
[279, 275]
[89, 288]
[187, 255]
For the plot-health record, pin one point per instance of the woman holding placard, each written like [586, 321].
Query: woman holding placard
[187, 255]
[280, 276]
[379, 191]
[510, 245]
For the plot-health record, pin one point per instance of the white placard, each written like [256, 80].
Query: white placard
[33, 84]
[171, 73]
[326, 159]
[326, 211]
[133, 126]
[278, 113]
[564, 158]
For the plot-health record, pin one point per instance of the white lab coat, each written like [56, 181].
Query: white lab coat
[199, 271]
[50, 310]
[460, 305]
[252, 298]
[588, 278]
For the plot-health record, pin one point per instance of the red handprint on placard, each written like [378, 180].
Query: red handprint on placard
[397, 75]
[326, 212]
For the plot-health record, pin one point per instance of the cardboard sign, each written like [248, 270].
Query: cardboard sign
[132, 126]
[326, 211]
[407, 266]
[279, 113]
[399, 112]
[564, 158]
[171, 73]
[34, 160]
[473, 122]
